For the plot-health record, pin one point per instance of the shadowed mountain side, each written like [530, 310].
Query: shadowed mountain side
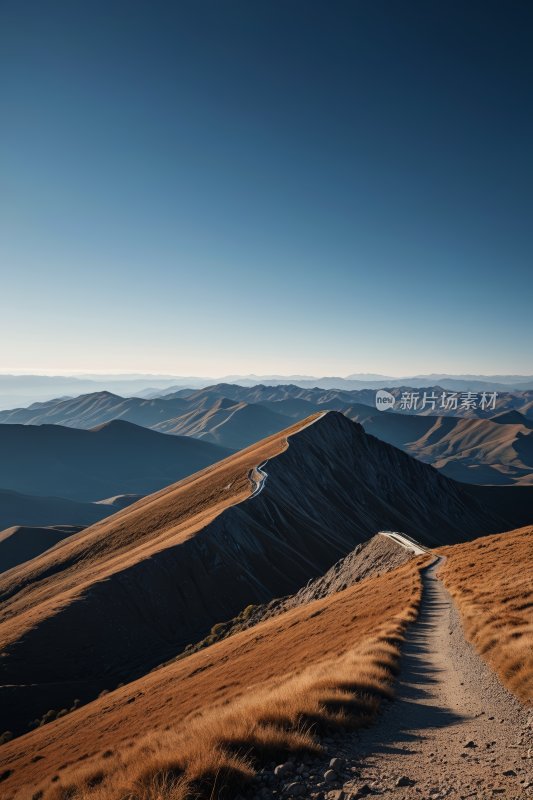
[484, 475]
[495, 451]
[377, 556]
[127, 593]
[513, 418]
[236, 667]
[117, 458]
[228, 424]
[30, 511]
[19, 543]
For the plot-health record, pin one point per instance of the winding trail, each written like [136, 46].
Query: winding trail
[406, 542]
[446, 697]
[259, 484]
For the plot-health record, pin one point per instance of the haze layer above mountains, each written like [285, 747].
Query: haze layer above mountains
[21, 390]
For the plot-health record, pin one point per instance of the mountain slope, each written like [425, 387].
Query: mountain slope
[501, 453]
[129, 593]
[495, 599]
[20, 543]
[335, 640]
[24, 509]
[116, 458]
[377, 556]
[91, 410]
[228, 424]
[481, 451]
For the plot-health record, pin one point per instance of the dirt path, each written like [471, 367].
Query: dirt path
[453, 729]
[446, 698]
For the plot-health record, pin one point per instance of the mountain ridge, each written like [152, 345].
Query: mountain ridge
[89, 465]
[128, 593]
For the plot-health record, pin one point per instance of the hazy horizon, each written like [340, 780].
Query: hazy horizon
[371, 377]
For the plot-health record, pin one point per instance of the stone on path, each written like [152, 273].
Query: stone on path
[282, 769]
[296, 789]
[404, 781]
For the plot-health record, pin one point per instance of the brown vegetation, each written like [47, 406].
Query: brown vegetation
[132, 535]
[369, 559]
[207, 722]
[491, 582]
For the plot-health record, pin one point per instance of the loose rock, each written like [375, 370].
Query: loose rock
[282, 769]
[404, 781]
[296, 789]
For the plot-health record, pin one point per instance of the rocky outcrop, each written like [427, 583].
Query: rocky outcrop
[369, 559]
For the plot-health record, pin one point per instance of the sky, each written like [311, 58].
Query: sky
[277, 186]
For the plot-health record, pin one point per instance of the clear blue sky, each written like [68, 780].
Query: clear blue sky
[283, 186]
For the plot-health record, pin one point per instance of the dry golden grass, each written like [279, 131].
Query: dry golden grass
[136, 533]
[345, 653]
[491, 582]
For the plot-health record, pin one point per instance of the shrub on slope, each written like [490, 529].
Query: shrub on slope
[491, 582]
[375, 557]
[211, 720]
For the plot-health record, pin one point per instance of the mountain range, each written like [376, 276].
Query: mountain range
[87, 411]
[490, 446]
[21, 390]
[498, 450]
[130, 592]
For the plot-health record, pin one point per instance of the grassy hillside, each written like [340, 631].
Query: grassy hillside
[491, 582]
[130, 593]
[219, 714]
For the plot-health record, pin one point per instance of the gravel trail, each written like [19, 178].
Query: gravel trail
[453, 730]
